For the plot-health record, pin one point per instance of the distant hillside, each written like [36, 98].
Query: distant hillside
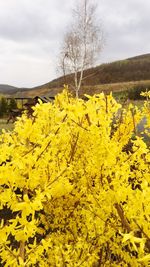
[129, 71]
[8, 89]
[140, 57]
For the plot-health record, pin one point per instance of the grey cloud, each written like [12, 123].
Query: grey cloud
[31, 20]
[31, 32]
[127, 28]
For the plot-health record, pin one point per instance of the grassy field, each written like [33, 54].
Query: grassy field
[138, 103]
[5, 125]
[116, 87]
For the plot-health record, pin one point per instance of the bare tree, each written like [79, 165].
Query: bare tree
[82, 43]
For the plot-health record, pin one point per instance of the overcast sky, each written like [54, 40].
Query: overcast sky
[31, 32]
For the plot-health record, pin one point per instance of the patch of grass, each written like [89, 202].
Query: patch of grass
[4, 125]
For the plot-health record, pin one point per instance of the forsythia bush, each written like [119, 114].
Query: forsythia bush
[75, 186]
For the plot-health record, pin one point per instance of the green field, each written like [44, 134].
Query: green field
[5, 125]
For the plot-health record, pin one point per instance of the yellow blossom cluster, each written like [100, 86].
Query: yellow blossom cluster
[75, 186]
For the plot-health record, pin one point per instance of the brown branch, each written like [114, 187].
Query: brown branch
[22, 243]
[133, 117]
[100, 256]
[88, 119]
[106, 103]
[32, 149]
[22, 250]
[73, 148]
[10, 251]
[79, 125]
[124, 220]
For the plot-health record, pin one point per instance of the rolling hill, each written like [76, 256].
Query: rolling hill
[115, 75]
[123, 73]
[8, 89]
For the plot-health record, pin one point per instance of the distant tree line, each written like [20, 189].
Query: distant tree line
[6, 107]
